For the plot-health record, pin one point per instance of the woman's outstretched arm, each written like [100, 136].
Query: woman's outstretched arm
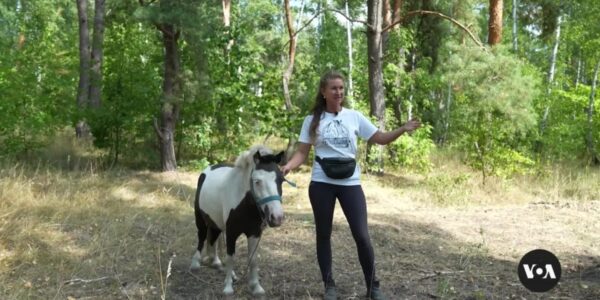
[384, 138]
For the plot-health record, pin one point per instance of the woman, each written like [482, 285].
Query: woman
[333, 130]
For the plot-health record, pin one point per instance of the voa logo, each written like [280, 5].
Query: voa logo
[546, 272]
[539, 270]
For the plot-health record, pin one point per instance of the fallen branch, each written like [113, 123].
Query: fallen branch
[79, 280]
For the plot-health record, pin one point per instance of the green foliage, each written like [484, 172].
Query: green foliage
[36, 67]
[131, 91]
[493, 107]
[412, 151]
[331, 45]
[232, 95]
[567, 124]
[502, 162]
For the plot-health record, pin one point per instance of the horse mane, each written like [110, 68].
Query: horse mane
[246, 159]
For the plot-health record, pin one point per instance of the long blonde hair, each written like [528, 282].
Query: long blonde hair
[320, 103]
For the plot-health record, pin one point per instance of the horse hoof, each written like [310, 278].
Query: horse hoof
[257, 290]
[194, 266]
[217, 266]
[228, 291]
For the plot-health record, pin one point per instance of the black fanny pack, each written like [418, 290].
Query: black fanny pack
[337, 167]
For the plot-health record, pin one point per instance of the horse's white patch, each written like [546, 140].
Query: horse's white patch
[221, 192]
[265, 185]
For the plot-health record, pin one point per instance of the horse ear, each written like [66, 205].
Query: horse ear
[257, 157]
[280, 157]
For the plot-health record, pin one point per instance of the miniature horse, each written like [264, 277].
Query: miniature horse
[238, 199]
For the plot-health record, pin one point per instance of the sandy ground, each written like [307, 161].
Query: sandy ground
[433, 239]
[422, 251]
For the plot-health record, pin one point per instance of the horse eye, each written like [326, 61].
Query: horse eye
[257, 181]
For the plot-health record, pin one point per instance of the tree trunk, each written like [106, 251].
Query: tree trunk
[495, 22]
[82, 129]
[396, 12]
[515, 33]
[413, 67]
[578, 74]
[591, 147]
[227, 24]
[398, 84]
[226, 13]
[97, 55]
[287, 74]
[350, 96]
[445, 116]
[551, 73]
[386, 14]
[401, 62]
[171, 106]
[376, 92]
[220, 119]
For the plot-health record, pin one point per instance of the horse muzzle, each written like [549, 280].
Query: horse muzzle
[274, 221]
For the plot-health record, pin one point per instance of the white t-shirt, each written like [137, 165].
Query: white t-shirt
[336, 136]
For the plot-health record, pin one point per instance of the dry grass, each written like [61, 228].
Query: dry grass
[114, 235]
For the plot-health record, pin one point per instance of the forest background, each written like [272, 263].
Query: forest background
[159, 84]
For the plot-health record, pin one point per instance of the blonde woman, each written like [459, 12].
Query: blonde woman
[334, 130]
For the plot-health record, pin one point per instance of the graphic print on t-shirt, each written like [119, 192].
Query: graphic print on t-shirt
[336, 135]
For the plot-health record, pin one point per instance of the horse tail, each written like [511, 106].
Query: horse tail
[197, 210]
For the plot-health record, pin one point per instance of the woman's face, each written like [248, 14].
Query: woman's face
[334, 93]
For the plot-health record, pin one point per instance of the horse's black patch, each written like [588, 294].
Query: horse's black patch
[214, 167]
[197, 199]
[246, 219]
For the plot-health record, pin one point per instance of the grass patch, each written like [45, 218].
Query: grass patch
[117, 234]
[61, 226]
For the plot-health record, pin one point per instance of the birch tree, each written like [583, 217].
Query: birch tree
[515, 33]
[350, 96]
[591, 147]
[550, 81]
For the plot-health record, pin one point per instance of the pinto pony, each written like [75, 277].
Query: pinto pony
[239, 199]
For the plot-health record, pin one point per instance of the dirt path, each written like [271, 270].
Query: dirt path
[422, 251]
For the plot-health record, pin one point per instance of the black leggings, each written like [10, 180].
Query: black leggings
[352, 199]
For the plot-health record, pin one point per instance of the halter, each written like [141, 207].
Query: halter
[264, 200]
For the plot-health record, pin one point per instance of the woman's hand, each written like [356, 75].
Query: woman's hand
[286, 169]
[411, 125]
[297, 159]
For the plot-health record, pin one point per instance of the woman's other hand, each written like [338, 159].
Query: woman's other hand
[411, 125]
